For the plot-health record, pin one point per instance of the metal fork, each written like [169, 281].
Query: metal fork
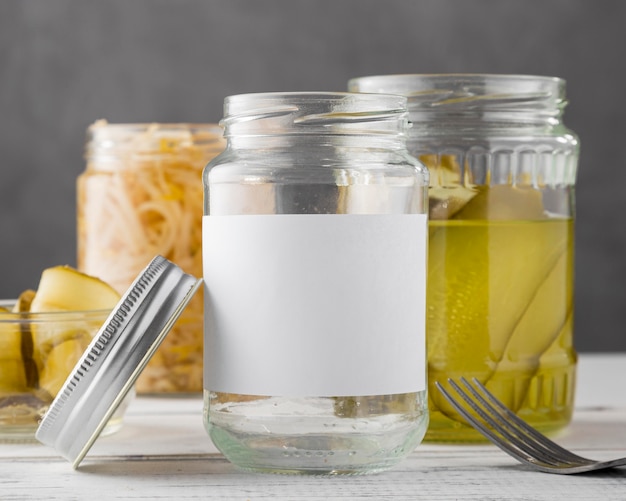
[514, 436]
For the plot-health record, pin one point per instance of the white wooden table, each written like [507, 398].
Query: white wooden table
[163, 452]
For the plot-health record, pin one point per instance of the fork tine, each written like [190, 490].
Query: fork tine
[506, 435]
[505, 432]
[512, 418]
[513, 435]
[507, 447]
[516, 432]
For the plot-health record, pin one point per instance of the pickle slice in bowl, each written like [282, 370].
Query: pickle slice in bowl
[19, 401]
[12, 374]
[24, 301]
[22, 305]
[61, 359]
[65, 289]
[42, 336]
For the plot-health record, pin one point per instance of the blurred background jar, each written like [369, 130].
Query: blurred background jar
[501, 239]
[141, 195]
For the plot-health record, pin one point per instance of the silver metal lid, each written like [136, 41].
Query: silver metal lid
[115, 358]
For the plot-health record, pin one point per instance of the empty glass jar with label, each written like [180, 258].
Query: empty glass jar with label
[314, 244]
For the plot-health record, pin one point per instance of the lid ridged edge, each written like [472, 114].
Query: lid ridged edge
[115, 358]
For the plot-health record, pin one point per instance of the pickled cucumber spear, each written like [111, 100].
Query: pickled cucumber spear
[542, 322]
[485, 267]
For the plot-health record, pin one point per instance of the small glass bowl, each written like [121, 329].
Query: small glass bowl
[37, 353]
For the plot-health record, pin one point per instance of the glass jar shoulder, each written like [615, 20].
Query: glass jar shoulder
[261, 166]
[292, 184]
[561, 140]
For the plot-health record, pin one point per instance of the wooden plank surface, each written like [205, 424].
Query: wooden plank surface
[163, 452]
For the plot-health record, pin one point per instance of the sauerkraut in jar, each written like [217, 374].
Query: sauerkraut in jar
[141, 195]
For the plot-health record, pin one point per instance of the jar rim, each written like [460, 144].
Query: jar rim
[468, 90]
[299, 113]
[313, 96]
[52, 315]
[354, 102]
[107, 130]
[465, 76]
[151, 137]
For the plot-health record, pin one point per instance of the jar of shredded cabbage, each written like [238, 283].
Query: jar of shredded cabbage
[141, 195]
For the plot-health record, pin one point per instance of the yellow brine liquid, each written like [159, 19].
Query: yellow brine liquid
[500, 300]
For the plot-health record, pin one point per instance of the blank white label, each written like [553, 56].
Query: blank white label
[315, 305]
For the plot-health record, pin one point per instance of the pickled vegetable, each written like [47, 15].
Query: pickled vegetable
[142, 198]
[42, 336]
[499, 294]
[12, 373]
[546, 317]
[447, 194]
[63, 288]
[24, 301]
[60, 361]
[22, 305]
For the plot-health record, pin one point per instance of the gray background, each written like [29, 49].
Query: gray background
[66, 63]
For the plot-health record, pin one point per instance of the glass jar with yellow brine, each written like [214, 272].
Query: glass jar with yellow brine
[141, 195]
[501, 239]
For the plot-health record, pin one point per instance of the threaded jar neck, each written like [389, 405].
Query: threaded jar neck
[314, 117]
[465, 101]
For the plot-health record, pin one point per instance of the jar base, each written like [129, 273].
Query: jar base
[25, 433]
[308, 437]
[20, 425]
[314, 454]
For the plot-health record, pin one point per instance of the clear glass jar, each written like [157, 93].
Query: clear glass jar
[141, 195]
[501, 247]
[314, 249]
